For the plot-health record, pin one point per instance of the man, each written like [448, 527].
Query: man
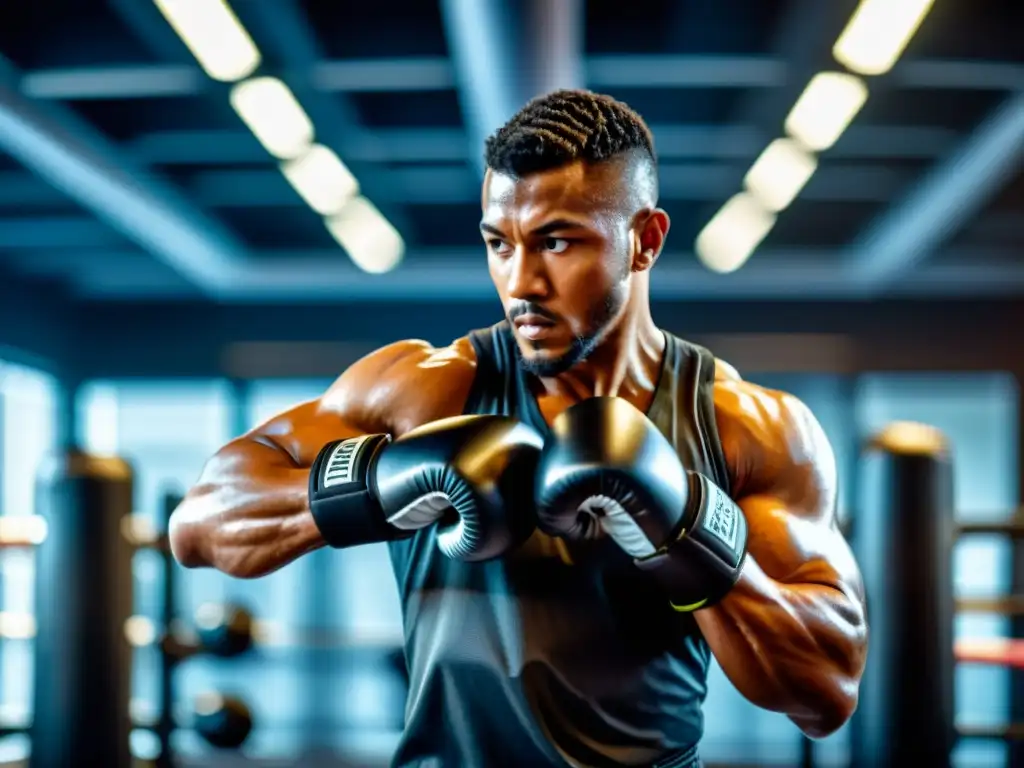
[681, 510]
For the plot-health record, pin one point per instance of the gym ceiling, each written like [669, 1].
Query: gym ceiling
[127, 174]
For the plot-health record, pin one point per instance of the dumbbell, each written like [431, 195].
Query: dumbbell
[224, 722]
[221, 720]
[222, 630]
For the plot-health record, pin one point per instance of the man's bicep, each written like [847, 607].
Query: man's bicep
[793, 536]
[345, 409]
[789, 487]
[301, 431]
[389, 391]
[791, 548]
[775, 447]
[413, 383]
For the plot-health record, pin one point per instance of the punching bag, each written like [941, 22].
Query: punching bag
[82, 682]
[904, 544]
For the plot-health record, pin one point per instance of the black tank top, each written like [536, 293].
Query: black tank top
[556, 654]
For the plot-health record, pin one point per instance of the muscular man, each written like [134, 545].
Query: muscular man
[589, 647]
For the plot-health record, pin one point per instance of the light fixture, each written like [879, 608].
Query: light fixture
[732, 235]
[274, 115]
[212, 32]
[826, 107]
[370, 240]
[321, 179]
[778, 175]
[878, 33]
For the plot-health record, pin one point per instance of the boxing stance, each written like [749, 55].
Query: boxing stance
[580, 507]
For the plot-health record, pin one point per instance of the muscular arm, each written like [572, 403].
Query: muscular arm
[248, 513]
[791, 636]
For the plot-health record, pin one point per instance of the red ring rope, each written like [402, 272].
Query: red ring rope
[1003, 652]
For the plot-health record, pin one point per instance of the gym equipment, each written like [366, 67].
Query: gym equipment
[223, 721]
[85, 535]
[904, 545]
[84, 596]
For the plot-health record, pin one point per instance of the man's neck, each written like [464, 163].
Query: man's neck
[627, 363]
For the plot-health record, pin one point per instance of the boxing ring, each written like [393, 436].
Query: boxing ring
[998, 652]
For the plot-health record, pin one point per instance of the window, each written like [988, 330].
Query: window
[28, 420]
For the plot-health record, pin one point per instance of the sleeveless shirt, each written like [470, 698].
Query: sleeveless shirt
[556, 654]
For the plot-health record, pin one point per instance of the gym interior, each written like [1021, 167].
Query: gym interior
[169, 280]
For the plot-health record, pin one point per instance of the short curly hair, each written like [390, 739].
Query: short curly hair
[564, 126]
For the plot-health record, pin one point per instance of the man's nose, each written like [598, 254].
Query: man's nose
[527, 278]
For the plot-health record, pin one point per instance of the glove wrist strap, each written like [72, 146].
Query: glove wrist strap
[342, 496]
[703, 562]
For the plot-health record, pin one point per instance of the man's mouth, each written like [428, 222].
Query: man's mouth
[533, 327]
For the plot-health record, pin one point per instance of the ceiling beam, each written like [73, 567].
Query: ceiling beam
[451, 145]
[81, 163]
[445, 275]
[686, 71]
[146, 81]
[429, 185]
[406, 74]
[506, 52]
[485, 59]
[261, 187]
[436, 73]
[971, 75]
[951, 194]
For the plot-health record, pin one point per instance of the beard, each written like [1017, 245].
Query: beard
[583, 344]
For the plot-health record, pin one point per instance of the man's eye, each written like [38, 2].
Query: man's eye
[555, 245]
[498, 247]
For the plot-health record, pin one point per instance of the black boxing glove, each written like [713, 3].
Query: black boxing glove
[473, 474]
[607, 469]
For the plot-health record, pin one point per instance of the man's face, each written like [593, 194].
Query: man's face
[560, 253]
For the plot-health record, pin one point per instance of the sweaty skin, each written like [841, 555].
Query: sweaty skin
[248, 514]
[574, 246]
[791, 636]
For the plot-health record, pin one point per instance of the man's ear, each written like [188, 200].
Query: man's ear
[651, 230]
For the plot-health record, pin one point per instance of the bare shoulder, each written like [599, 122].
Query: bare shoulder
[726, 371]
[403, 385]
[774, 445]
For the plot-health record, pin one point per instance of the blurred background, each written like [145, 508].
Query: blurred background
[206, 213]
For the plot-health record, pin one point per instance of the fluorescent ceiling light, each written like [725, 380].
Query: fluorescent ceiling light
[323, 181]
[274, 116]
[778, 175]
[729, 239]
[878, 33]
[825, 109]
[370, 240]
[214, 35]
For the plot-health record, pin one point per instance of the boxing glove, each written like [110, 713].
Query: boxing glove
[607, 469]
[473, 474]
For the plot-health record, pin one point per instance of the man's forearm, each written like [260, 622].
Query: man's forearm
[795, 647]
[247, 516]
